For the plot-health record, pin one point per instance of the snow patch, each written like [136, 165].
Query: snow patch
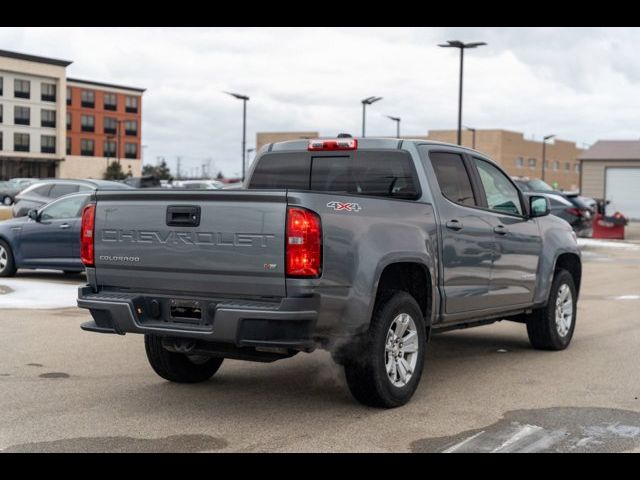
[35, 293]
[596, 243]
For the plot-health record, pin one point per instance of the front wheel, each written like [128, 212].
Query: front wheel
[7, 201]
[551, 327]
[179, 367]
[385, 368]
[7, 262]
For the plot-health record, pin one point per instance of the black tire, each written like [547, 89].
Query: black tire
[9, 269]
[365, 369]
[7, 200]
[178, 367]
[544, 333]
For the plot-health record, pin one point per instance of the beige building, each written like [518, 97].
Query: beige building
[611, 171]
[523, 157]
[264, 138]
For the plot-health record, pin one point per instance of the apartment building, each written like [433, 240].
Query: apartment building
[32, 101]
[523, 157]
[54, 126]
[103, 124]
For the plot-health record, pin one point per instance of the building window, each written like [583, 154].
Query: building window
[1, 85]
[68, 121]
[577, 167]
[520, 162]
[532, 163]
[88, 98]
[68, 95]
[21, 88]
[567, 166]
[556, 165]
[110, 101]
[48, 92]
[68, 145]
[88, 123]
[47, 144]
[131, 127]
[110, 125]
[0, 140]
[109, 148]
[131, 104]
[1, 110]
[48, 118]
[21, 142]
[21, 115]
[130, 150]
[87, 147]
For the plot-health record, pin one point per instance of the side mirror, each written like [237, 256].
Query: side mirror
[539, 206]
[33, 214]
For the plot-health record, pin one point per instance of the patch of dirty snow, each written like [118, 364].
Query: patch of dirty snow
[32, 293]
[597, 243]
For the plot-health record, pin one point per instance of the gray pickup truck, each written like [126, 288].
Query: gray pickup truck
[360, 246]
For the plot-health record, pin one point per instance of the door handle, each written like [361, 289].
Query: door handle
[500, 230]
[454, 225]
[64, 226]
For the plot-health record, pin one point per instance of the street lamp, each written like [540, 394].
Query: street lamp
[244, 99]
[462, 46]
[397, 120]
[544, 152]
[365, 102]
[473, 133]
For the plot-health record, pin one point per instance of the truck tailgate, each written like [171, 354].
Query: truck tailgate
[192, 242]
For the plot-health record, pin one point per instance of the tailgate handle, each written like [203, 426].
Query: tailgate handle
[183, 216]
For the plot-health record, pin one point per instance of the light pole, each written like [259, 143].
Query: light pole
[462, 46]
[544, 152]
[473, 136]
[244, 99]
[365, 102]
[397, 120]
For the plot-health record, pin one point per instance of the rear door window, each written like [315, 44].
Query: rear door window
[60, 189]
[43, 190]
[453, 177]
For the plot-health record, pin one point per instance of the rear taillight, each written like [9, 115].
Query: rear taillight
[333, 144]
[574, 211]
[304, 243]
[86, 235]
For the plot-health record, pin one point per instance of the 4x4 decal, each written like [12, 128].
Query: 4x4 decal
[344, 206]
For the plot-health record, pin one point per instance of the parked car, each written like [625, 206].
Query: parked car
[41, 193]
[364, 247]
[147, 181]
[583, 207]
[200, 184]
[578, 218]
[10, 188]
[48, 237]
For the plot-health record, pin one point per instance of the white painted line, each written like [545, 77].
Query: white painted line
[523, 432]
[462, 443]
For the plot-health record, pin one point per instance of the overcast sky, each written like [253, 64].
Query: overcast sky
[583, 84]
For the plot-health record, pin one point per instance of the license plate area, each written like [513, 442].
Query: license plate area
[185, 311]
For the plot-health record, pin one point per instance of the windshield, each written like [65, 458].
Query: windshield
[538, 185]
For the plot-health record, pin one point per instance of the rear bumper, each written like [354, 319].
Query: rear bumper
[288, 323]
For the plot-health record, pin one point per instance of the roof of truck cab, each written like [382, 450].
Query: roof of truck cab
[365, 143]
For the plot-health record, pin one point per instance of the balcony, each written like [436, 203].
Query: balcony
[87, 104]
[132, 133]
[130, 155]
[88, 128]
[68, 100]
[48, 98]
[109, 106]
[48, 123]
[21, 148]
[110, 130]
[22, 121]
[22, 94]
[86, 153]
[44, 149]
[131, 109]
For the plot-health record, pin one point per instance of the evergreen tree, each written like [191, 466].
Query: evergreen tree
[114, 172]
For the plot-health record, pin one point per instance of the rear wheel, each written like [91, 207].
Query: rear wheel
[551, 327]
[7, 263]
[179, 367]
[385, 368]
[7, 200]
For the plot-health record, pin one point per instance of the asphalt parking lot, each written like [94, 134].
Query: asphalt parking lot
[484, 389]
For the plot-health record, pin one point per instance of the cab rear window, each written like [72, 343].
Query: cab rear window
[371, 173]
